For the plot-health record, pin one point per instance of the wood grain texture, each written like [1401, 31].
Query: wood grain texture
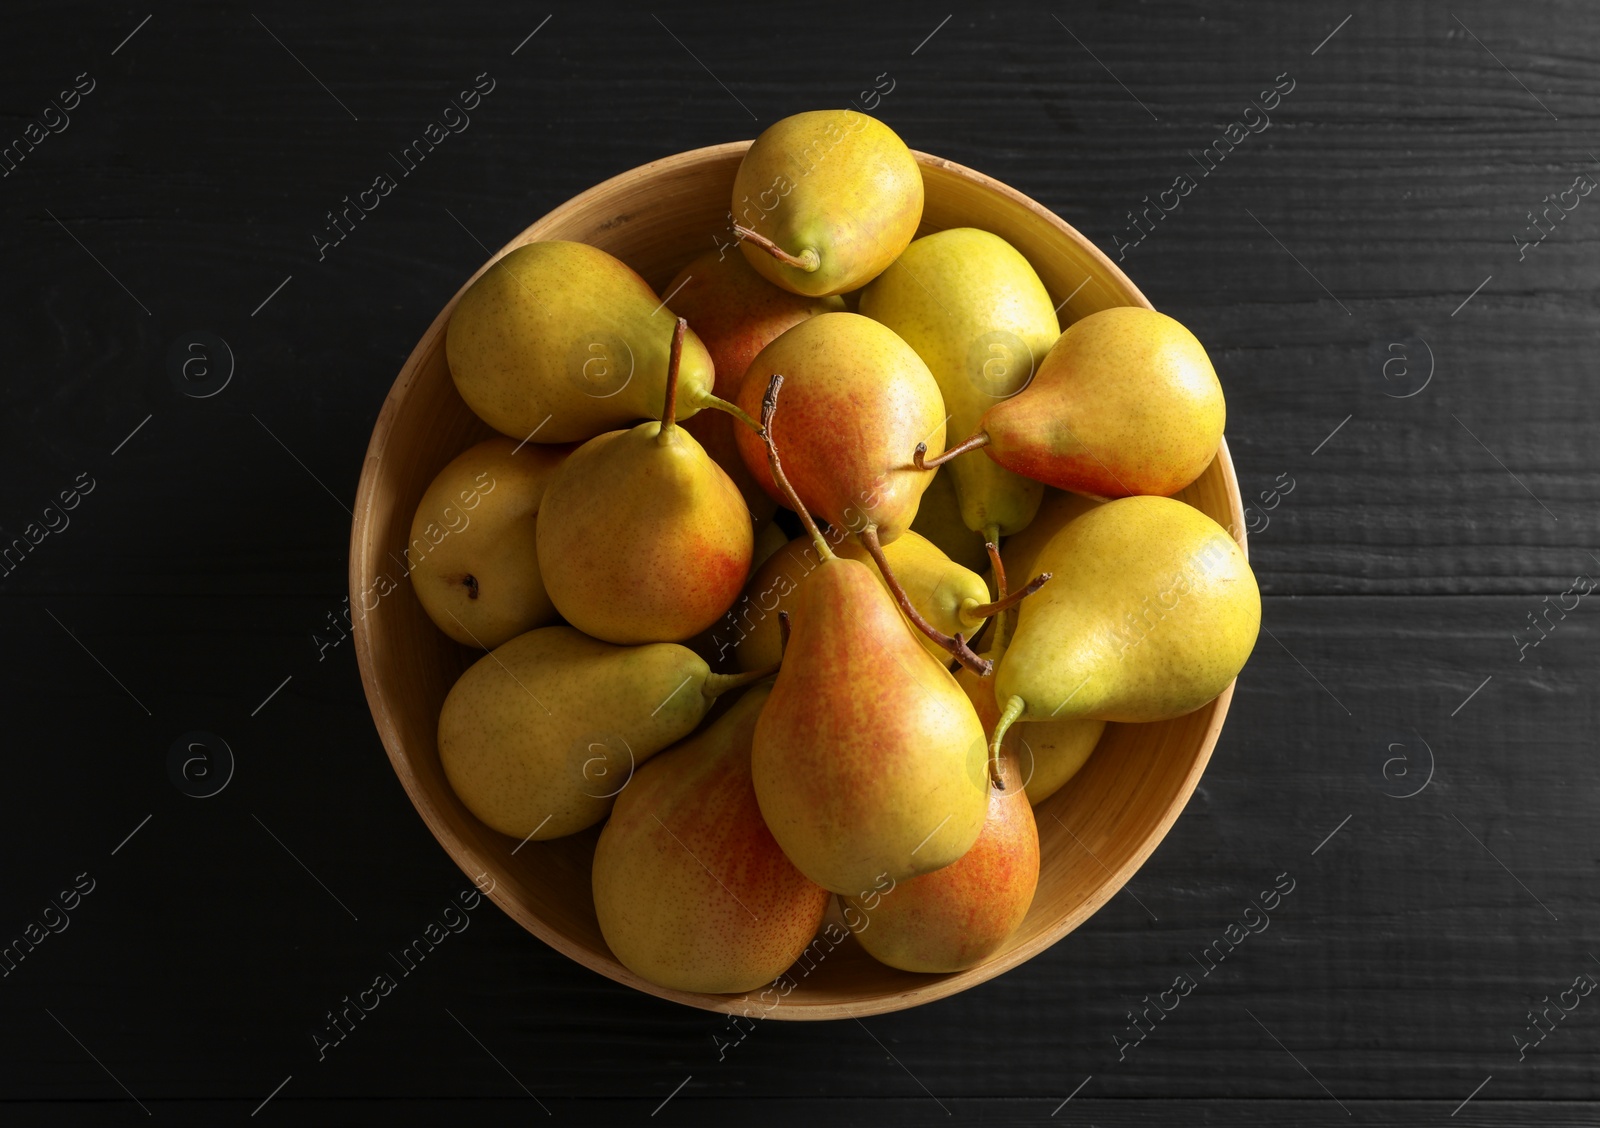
[1397, 173]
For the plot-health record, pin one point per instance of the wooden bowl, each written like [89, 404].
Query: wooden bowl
[656, 218]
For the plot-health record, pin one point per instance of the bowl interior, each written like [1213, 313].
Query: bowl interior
[1094, 833]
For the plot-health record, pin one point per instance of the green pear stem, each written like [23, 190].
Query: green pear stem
[921, 460]
[718, 684]
[955, 644]
[973, 612]
[807, 260]
[769, 407]
[783, 632]
[716, 403]
[1014, 709]
[669, 410]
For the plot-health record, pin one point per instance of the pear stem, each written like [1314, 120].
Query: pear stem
[717, 403]
[999, 634]
[807, 260]
[783, 632]
[1014, 709]
[769, 407]
[955, 644]
[669, 411]
[718, 684]
[991, 545]
[971, 612]
[921, 460]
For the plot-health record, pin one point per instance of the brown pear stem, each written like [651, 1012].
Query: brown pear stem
[991, 545]
[769, 407]
[716, 403]
[1013, 710]
[921, 460]
[955, 644]
[669, 411]
[783, 632]
[807, 260]
[718, 684]
[1005, 602]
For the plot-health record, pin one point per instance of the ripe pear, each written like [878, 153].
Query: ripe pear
[557, 342]
[975, 311]
[961, 915]
[950, 597]
[1020, 552]
[1152, 613]
[856, 399]
[736, 313]
[642, 537]
[538, 736]
[825, 200]
[750, 630]
[939, 519]
[690, 888]
[868, 758]
[1047, 753]
[1125, 403]
[472, 553]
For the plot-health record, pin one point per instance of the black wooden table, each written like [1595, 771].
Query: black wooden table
[1393, 268]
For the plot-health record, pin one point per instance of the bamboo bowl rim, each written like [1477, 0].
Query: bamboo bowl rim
[476, 864]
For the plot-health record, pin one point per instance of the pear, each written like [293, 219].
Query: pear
[557, 342]
[538, 736]
[859, 393]
[736, 313]
[953, 599]
[642, 537]
[961, 915]
[769, 538]
[472, 552]
[1020, 552]
[690, 888]
[1153, 613]
[868, 759]
[1047, 753]
[824, 201]
[856, 398]
[943, 593]
[750, 630]
[1125, 403]
[975, 311]
[939, 519]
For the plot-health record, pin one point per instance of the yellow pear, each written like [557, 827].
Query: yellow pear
[1047, 753]
[975, 311]
[939, 519]
[557, 342]
[951, 598]
[868, 758]
[1020, 552]
[642, 537]
[472, 553]
[1125, 403]
[825, 200]
[736, 313]
[1152, 612]
[856, 400]
[690, 888]
[539, 736]
[960, 915]
[948, 596]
